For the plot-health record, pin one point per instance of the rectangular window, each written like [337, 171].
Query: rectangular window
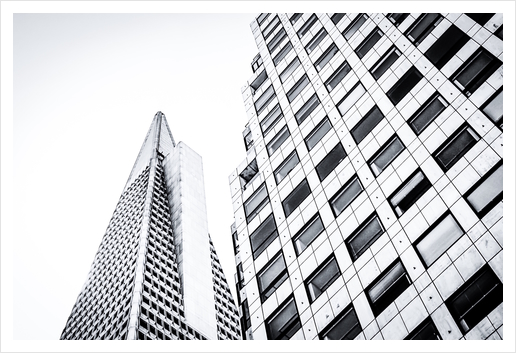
[331, 161]
[345, 196]
[385, 62]
[282, 53]
[422, 27]
[397, 18]
[409, 192]
[297, 88]
[295, 17]
[326, 57]
[314, 42]
[272, 276]
[286, 166]
[307, 25]
[387, 153]
[284, 322]
[371, 39]
[455, 147]
[476, 298]
[387, 287]
[271, 119]
[307, 109]
[278, 140]
[261, 103]
[480, 18]
[337, 17]
[322, 278]
[446, 46]
[367, 124]
[248, 173]
[499, 32]
[493, 108]
[263, 236]
[425, 331]
[276, 40]
[262, 17]
[475, 71]
[350, 98]
[317, 133]
[344, 327]
[337, 76]
[256, 202]
[258, 81]
[257, 62]
[427, 113]
[296, 197]
[307, 234]
[294, 64]
[354, 26]
[404, 85]
[364, 236]
[434, 242]
[248, 140]
[487, 192]
[271, 27]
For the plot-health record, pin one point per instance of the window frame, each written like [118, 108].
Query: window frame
[368, 123]
[428, 322]
[452, 142]
[331, 82]
[260, 20]
[316, 40]
[342, 316]
[277, 40]
[270, 115]
[370, 240]
[266, 32]
[266, 100]
[487, 207]
[319, 127]
[369, 42]
[307, 26]
[350, 95]
[268, 238]
[446, 46]
[430, 26]
[330, 161]
[292, 325]
[342, 192]
[282, 136]
[300, 193]
[326, 57]
[282, 53]
[307, 109]
[298, 87]
[306, 227]
[489, 101]
[317, 273]
[279, 278]
[289, 69]
[384, 59]
[423, 109]
[400, 88]
[383, 149]
[337, 17]
[419, 192]
[397, 20]
[296, 16]
[259, 206]
[354, 22]
[284, 164]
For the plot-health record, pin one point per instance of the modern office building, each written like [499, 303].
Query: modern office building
[370, 202]
[156, 274]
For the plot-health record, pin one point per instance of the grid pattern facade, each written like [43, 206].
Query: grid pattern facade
[370, 202]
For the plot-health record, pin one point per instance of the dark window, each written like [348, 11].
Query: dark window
[248, 140]
[322, 278]
[387, 287]
[364, 236]
[387, 153]
[286, 166]
[296, 197]
[404, 85]
[256, 202]
[264, 99]
[276, 40]
[295, 17]
[493, 108]
[397, 18]
[282, 53]
[353, 27]
[307, 25]
[271, 119]
[263, 236]
[475, 71]
[409, 192]
[308, 233]
[278, 140]
[272, 276]
[294, 64]
[367, 124]
[314, 42]
[337, 76]
[271, 27]
[425, 331]
[257, 62]
[487, 192]
[371, 39]
[350, 98]
[455, 147]
[246, 317]
[427, 113]
[307, 109]
[422, 27]
[297, 88]
[446, 46]
[326, 57]
[317, 133]
[248, 173]
[476, 298]
[387, 59]
[499, 32]
[480, 18]
[337, 17]
[262, 17]
[346, 195]
[284, 322]
[344, 327]
[258, 81]
[331, 161]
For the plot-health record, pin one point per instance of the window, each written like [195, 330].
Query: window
[284, 322]
[487, 192]
[480, 18]
[317, 133]
[248, 173]
[294, 64]
[307, 109]
[286, 166]
[404, 85]
[446, 46]
[368, 42]
[245, 321]
[438, 239]
[248, 139]
[499, 32]
[332, 160]
[344, 327]
[346, 195]
[258, 81]
[337, 76]
[272, 276]
[262, 17]
[387, 287]
[296, 197]
[350, 98]
[282, 53]
[493, 108]
[364, 236]
[298, 88]
[271, 27]
[271, 119]
[307, 234]
[385, 62]
[427, 113]
[337, 17]
[264, 99]
[387, 153]
[455, 147]
[277, 140]
[257, 62]
[475, 71]
[353, 27]
[397, 18]
[322, 278]
[263, 236]
[306, 27]
[422, 27]
[256, 202]
[367, 124]
[476, 298]
[295, 17]
[276, 40]
[326, 57]
[409, 192]
[425, 331]
[312, 44]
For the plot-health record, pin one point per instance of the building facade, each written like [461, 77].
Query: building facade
[156, 274]
[370, 203]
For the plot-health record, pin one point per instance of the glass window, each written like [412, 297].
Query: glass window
[476, 298]
[312, 44]
[427, 113]
[262, 17]
[425, 331]
[307, 109]
[282, 53]
[322, 278]
[248, 140]
[346, 195]
[385, 62]
[353, 27]
[422, 27]
[308, 233]
[397, 18]
[493, 108]
[404, 85]
[371, 39]
[284, 322]
[295, 17]
[487, 192]
[298, 88]
[258, 81]
[286, 166]
[331, 161]
[326, 57]
[317, 133]
[499, 32]
[271, 119]
[480, 18]
[307, 25]
[248, 173]
[387, 153]
[337, 76]
[272, 276]
[364, 236]
[278, 140]
[367, 124]
[350, 98]
[455, 147]
[438, 239]
[256, 202]
[261, 103]
[409, 192]
[387, 287]
[446, 46]
[344, 327]
[263, 236]
[276, 40]
[296, 197]
[294, 64]
[257, 62]
[271, 27]
[337, 17]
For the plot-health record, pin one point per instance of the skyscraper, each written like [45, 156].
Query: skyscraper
[370, 204]
[156, 274]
